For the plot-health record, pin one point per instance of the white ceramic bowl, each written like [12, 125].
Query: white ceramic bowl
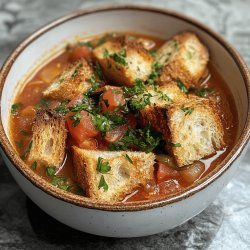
[137, 218]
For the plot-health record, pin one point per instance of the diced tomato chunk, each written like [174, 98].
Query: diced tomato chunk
[85, 129]
[112, 98]
[80, 52]
[164, 172]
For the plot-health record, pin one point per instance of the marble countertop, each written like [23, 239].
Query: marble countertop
[225, 224]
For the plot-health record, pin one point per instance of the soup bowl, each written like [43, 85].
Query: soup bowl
[131, 219]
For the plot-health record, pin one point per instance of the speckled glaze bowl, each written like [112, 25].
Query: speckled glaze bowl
[136, 218]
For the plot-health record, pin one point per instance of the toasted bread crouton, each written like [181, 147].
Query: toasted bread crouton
[129, 170]
[124, 61]
[162, 96]
[183, 57]
[73, 81]
[196, 130]
[48, 139]
[191, 129]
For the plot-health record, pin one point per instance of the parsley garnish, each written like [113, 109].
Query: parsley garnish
[187, 110]
[144, 139]
[62, 107]
[75, 72]
[50, 171]
[174, 145]
[15, 107]
[152, 52]
[43, 104]
[94, 84]
[119, 57]
[76, 118]
[181, 86]
[98, 71]
[57, 180]
[103, 184]
[141, 103]
[103, 168]
[34, 165]
[138, 88]
[27, 151]
[156, 68]
[102, 123]
[128, 158]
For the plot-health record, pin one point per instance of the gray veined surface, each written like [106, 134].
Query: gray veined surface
[225, 224]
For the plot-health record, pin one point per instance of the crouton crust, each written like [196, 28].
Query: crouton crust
[137, 65]
[48, 139]
[183, 57]
[123, 178]
[73, 81]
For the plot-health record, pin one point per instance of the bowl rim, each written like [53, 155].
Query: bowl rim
[85, 202]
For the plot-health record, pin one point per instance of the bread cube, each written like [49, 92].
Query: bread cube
[124, 61]
[129, 170]
[183, 57]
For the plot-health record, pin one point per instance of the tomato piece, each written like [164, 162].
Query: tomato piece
[84, 130]
[80, 52]
[116, 134]
[192, 172]
[164, 172]
[112, 98]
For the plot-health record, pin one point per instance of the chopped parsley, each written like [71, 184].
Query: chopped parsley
[94, 84]
[103, 184]
[144, 139]
[57, 180]
[98, 71]
[62, 108]
[15, 107]
[103, 168]
[102, 123]
[142, 102]
[27, 151]
[181, 86]
[156, 68]
[75, 72]
[118, 57]
[187, 110]
[50, 171]
[152, 52]
[137, 89]
[76, 118]
[34, 165]
[43, 104]
[174, 145]
[128, 158]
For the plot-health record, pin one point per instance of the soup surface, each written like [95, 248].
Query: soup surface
[168, 177]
